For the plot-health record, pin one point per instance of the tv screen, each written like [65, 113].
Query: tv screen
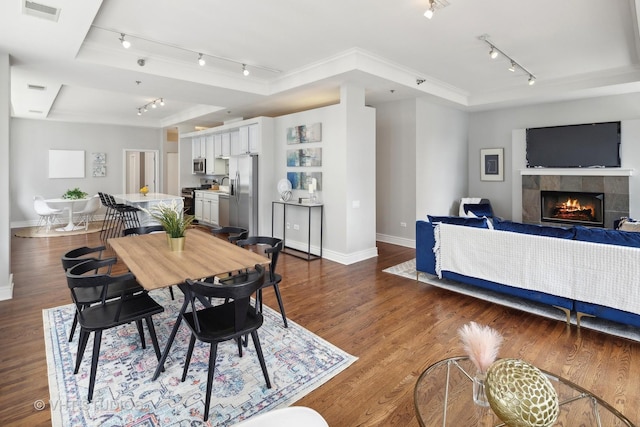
[574, 146]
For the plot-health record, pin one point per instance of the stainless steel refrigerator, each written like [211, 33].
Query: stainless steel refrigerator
[243, 197]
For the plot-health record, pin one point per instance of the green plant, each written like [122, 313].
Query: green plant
[74, 194]
[171, 217]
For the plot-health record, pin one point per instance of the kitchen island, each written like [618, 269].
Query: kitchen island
[147, 202]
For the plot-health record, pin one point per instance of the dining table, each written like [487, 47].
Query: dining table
[155, 266]
[67, 204]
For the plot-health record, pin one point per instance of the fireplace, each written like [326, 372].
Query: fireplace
[572, 207]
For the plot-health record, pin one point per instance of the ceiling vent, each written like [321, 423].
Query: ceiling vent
[40, 10]
[36, 87]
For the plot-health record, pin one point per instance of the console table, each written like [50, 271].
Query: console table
[443, 397]
[291, 205]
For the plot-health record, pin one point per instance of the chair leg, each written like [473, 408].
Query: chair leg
[94, 362]
[239, 340]
[212, 366]
[73, 326]
[276, 288]
[141, 332]
[154, 337]
[82, 345]
[256, 344]
[188, 358]
[171, 292]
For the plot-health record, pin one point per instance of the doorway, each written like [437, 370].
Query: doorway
[140, 169]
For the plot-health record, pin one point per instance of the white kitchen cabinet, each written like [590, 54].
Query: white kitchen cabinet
[217, 145]
[234, 137]
[226, 144]
[214, 165]
[206, 207]
[198, 147]
[249, 139]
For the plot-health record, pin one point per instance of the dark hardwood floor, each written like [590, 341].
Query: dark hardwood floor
[396, 327]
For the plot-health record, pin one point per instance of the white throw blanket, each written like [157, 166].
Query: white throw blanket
[602, 274]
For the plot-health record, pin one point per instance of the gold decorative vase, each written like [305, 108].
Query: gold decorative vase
[176, 244]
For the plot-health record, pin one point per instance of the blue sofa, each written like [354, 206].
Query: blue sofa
[426, 262]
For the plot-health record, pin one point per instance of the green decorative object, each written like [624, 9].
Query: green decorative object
[520, 394]
[171, 217]
[74, 194]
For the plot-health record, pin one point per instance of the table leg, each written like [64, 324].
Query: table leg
[70, 225]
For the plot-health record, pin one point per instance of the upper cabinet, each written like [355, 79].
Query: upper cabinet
[214, 165]
[198, 147]
[225, 139]
[249, 139]
[234, 136]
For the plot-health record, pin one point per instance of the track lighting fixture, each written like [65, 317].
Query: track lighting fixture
[125, 43]
[494, 51]
[429, 12]
[200, 55]
[245, 72]
[152, 104]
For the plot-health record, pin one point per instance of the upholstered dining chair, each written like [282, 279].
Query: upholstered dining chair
[85, 216]
[108, 314]
[272, 248]
[48, 215]
[231, 320]
[86, 297]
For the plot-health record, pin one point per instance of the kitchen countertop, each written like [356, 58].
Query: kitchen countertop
[150, 197]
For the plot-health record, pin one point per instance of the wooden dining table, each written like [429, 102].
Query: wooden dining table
[155, 266]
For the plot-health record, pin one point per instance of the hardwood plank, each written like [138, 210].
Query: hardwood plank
[396, 326]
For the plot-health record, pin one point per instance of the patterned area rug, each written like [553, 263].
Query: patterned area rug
[297, 361]
[408, 269]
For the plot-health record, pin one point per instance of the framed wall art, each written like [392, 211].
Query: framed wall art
[304, 157]
[492, 164]
[301, 180]
[304, 133]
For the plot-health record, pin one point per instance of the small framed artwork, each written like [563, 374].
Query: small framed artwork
[99, 158]
[304, 133]
[492, 164]
[99, 170]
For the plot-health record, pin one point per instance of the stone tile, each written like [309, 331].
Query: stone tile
[570, 183]
[530, 206]
[616, 184]
[531, 182]
[593, 184]
[549, 182]
[617, 202]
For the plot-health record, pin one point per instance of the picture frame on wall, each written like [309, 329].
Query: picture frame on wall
[492, 164]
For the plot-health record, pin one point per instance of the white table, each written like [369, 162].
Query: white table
[147, 202]
[68, 204]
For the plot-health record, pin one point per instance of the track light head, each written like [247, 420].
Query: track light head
[139, 112]
[154, 105]
[532, 80]
[162, 102]
[429, 13]
[493, 53]
[512, 67]
[125, 43]
[245, 72]
[201, 60]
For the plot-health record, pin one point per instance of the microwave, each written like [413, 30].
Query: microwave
[199, 165]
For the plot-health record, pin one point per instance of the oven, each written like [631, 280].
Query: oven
[189, 195]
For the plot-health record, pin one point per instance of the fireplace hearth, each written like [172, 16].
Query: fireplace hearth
[572, 207]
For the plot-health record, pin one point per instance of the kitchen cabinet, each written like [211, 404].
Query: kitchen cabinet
[207, 207]
[198, 147]
[214, 165]
[234, 136]
[225, 141]
[249, 139]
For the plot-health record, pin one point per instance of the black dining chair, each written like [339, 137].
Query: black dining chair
[230, 320]
[107, 314]
[86, 297]
[233, 233]
[272, 247]
[146, 229]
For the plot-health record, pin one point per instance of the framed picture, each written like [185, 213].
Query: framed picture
[304, 133]
[492, 164]
[99, 158]
[304, 157]
[99, 170]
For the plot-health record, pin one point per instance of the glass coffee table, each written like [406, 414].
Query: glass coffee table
[443, 397]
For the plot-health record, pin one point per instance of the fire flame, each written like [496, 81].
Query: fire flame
[574, 205]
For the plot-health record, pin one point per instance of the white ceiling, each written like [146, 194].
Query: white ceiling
[575, 48]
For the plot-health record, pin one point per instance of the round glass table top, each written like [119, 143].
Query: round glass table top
[443, 396]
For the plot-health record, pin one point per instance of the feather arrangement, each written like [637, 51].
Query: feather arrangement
[481, 343]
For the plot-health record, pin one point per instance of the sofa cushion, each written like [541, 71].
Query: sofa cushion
[539, 230]
[478, 209]
[607, 236]
[460, 220]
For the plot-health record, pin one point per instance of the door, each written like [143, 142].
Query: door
[140, 168]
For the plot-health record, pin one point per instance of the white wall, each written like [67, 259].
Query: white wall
[499, 127]
[6, 278]
[31, 141]
[348, 176]
[396, 172]
[442, 167]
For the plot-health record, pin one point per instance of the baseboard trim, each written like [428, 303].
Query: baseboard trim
[6, 292]
[395, 240]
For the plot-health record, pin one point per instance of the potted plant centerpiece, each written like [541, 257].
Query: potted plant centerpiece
[174, 222]
[74, 194]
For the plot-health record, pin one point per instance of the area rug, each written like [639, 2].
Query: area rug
[408, 269]
[297, 361]
[42, 231]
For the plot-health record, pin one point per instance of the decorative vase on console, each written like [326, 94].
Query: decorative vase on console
[481, 343]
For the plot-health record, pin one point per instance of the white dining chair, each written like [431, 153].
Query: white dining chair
[48, 215]
[293, 416]
[85, 216]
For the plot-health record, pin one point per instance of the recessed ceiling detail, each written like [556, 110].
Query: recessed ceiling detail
[40, 10]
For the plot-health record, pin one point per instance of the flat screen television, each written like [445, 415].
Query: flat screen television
[574, 146]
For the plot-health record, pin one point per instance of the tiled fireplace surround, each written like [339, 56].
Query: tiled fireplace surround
[615, 189]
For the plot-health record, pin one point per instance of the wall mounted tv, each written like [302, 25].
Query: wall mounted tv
[574, 146]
